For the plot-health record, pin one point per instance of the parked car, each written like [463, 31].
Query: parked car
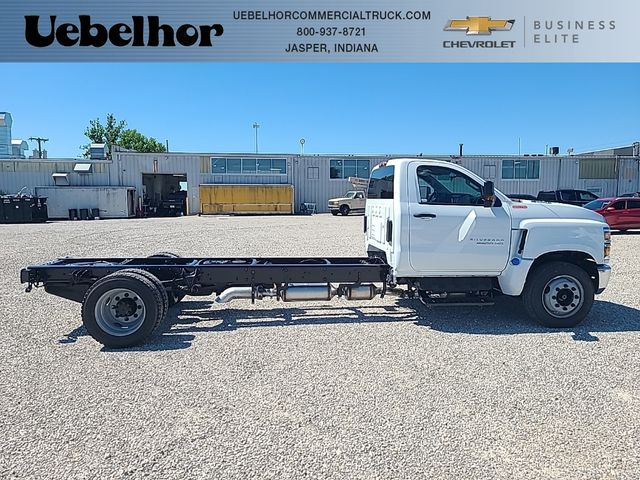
[567, 195]
[352, 202]
[620, 213]
[521, 196]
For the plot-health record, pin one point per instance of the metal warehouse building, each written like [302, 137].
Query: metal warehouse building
[313, 178]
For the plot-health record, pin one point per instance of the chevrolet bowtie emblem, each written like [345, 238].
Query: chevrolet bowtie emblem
[479, 25]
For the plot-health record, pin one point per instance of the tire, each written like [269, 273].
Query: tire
[173, 297]
[335, 213]
[565, 283]
[158, 284]
[344, 210]
[125, 322]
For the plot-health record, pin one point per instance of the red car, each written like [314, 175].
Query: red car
[620, 213]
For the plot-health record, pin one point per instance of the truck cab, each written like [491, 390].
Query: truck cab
[448, 233]
[352, 202]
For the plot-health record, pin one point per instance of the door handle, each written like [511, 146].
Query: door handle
[424, 215]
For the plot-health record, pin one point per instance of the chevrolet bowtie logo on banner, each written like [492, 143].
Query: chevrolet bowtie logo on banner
[479, 25]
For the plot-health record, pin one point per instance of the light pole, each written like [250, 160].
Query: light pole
[256, 126]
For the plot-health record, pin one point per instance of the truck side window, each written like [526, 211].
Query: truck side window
[445, 186]
[586, 196]
[381, 183]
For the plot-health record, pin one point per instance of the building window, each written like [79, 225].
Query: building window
[234, 165]
[528, 169]
[249, 166]
[218, 165]
[597, 168]
[349, 168]
[313, 173]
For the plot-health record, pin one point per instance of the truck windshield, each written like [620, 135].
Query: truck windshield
[381, 183]
[350, 194]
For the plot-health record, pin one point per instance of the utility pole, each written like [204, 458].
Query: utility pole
[40, 141]
[256, 126]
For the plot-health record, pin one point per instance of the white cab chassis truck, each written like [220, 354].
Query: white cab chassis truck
[433, 231]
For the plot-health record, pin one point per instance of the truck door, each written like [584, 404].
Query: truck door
[634, 213]
[614, 215]
[451, 232]
[379, 209]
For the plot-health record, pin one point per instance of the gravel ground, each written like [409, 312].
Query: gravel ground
[378, 389]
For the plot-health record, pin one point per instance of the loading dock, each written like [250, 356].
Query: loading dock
[164, 194]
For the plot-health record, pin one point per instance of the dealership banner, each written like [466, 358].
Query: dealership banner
[320, 30]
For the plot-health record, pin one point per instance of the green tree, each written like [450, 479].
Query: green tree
[132, 139]
[114, 132]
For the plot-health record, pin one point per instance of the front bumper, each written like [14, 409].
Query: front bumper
[604, 273]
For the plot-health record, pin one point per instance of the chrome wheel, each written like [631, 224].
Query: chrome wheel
[562, 296]
[120, 312]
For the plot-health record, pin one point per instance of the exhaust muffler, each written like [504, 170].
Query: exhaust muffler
[301, 292]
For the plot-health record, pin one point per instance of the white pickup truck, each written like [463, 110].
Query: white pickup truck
[446, 232]
[433, 227]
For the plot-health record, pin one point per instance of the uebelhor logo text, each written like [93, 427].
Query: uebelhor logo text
[120, 34]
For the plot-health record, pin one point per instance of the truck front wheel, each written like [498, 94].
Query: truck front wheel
[558, 294]
[344, 210]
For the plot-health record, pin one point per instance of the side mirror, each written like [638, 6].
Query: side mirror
[488, 194]
[609, 209]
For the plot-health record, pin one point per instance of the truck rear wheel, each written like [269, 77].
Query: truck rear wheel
[173, 296]
[158, 284]
[344, 210]
[558, 294]
[122, 309]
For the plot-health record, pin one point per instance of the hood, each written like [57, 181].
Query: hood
[527, 209]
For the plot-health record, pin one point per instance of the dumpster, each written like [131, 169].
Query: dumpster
[22, 209]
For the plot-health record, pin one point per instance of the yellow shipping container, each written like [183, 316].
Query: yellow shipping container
[257, 199]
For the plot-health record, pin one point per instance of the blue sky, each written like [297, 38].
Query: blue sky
[337, 108]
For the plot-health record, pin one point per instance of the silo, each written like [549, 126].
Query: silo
[5, 134]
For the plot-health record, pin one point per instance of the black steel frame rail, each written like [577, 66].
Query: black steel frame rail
[71, 277]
